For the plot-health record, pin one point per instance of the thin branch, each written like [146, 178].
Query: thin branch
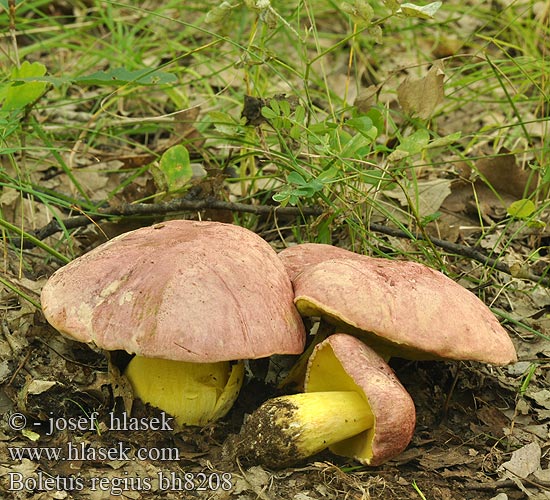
[465, 251]
[177, 205]
[183, 205]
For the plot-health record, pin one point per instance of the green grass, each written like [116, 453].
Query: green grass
[60, 150]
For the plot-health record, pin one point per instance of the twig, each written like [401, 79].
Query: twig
[465, 251]
[186, 204]
[507, 483]
[177, 205]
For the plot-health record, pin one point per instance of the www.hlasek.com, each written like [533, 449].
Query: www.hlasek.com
[82, 451]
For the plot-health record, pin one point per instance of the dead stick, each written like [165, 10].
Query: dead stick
[464, 251]
[177, 205]
[182, 204]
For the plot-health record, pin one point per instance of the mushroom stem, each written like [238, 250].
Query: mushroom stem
[291, 428]
[194, 393]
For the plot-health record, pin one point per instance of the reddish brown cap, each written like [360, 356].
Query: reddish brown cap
[342, 362]
[297, 257]
[403, 309]
[182, 290]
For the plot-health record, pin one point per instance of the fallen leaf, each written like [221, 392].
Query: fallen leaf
[523, 462]
[441, 459]
[542, 475]
[40, 386]
[494, 419]
[489, 188]
[541, 397]
[421, 96]
[505, 176]
[426, 195]
[254, 479]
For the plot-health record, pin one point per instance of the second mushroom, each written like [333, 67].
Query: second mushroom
[353, 404]
[401, 309]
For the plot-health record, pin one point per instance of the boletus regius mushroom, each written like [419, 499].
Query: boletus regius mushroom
[402, 309]
[187, 298]
[353, 404]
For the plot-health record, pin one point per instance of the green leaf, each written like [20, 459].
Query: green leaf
[411, 145]
[521, 209]
[377, 119]
[445, 140]
[116, 77]
[123, 76]
[313, 187]
[430, 218]
[56, 81]
[353, 148]
[300, 114]
[295, 132]
[360, 11]
[329, 174]
[21, 94]
[322, 127]
[282, 198]
[285, 107]
[269, 113]
[393, 5]
[420, 11]
[174, 171]
[223, 123]
[274, 105]
[363, 124]
[296, 178]
[4, 87]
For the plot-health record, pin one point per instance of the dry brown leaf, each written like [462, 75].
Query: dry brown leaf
[366, 98]
[494, 419]
[505, 175]
[488, 188]
[524, 461]
[440, 459]
[421, 96]
[431, 195]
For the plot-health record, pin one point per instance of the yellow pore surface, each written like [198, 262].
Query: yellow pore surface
[326, 373]
[194, 393]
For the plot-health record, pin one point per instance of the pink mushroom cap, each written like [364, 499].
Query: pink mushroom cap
[403, 309]
[180, 290]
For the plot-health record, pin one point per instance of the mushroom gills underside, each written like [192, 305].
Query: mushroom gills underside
[326, 373]
[194, 393]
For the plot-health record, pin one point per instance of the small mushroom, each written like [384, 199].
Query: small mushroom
[353, 404]
[402, 309]
[178, 294]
